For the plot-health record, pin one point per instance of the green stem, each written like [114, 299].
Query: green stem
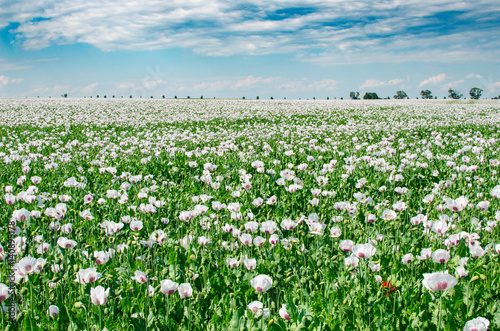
[100, 318]
[190, 312]
[90, 307]
[440, 306]
[168, 311]
[31, 304]
[146, 311]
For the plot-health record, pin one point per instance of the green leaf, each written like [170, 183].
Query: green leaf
[72, 327]
[303, 324]
[278, 326]
[234, 324]
[416, 323]
[496, 319]
[151, 319]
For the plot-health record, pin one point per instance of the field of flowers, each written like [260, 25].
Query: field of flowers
[249, 215]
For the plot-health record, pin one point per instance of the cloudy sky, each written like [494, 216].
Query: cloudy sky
[227, 48]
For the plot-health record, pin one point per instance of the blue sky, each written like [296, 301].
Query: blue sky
[294, 49]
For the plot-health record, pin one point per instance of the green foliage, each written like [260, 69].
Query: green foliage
[401, 95]
[426, 94]
[309, 276]
[454, 94]
[475, 93]
[354, 95]
[370, 96]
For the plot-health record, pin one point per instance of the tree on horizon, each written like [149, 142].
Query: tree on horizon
[370, 96]
[426, 94]
[475, 93]
[401, 95]
[455, 94]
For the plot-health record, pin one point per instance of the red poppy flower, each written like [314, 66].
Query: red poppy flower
[389, 287]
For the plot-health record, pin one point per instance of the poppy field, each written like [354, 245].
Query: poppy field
[249, 215]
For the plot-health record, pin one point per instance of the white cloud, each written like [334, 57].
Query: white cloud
[371, 83]
[40, 89]
[4, 80]
[326, 84]
[90, 88]
[48, 60]
[249, 85]
[378, 83]
[152, 83]
[306, 85]
[215, 86]
[433, 80]
[395, 81]
[125, 86]
[454, 47]
[251, 81]
[60, 88]
[452, 84]
[472, 75]
[6, 65]
[223, 27]
[494, 87]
